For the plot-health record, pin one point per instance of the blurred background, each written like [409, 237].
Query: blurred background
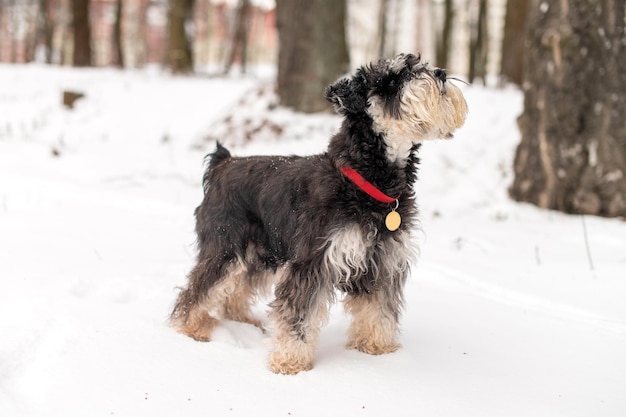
[572, 156]
[464, 36]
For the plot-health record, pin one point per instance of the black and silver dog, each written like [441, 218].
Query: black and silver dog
[307, 226]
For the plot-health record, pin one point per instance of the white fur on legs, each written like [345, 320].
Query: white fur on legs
[295, 340]
[231, 299]
[291, 354]
[198, 323]
[374, 329]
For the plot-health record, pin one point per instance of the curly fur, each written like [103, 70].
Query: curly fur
[299, 223]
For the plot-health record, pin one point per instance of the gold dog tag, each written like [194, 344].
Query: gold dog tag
[393, 220]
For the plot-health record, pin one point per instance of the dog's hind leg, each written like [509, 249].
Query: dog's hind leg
[298, 312]
[197, 323]
[194, 311]
[216, 293]
[239, 293]
[248, 280]
[217, 290]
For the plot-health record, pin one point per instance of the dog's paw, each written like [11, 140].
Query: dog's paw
[288, 365]
[200, 335]
[373, 347]
[201, 331]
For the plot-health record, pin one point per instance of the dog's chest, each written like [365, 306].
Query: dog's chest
[359, 259]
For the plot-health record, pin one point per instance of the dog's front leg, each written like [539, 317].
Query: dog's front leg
[298, 312]
[375, 317]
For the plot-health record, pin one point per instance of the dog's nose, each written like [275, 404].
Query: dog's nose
[441, 74]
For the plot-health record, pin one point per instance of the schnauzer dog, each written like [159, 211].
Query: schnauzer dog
[309, 226]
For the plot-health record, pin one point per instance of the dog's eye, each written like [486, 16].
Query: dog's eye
[388, 86]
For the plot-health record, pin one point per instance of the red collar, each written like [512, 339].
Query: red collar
[367, 186]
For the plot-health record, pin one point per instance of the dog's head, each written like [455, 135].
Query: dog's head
[407, 100]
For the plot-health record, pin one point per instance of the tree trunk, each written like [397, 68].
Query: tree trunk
[31, 40]
[118, 47]
[443, 40]
[139, 41]
[512, 57]
[313, 51]
[240, 39]
[572, 156]
[66, 44]
[179, 56]
[390, 16]
[82, 33]
[479, 45]
[12, 14]
[382, 26]
[46, 29]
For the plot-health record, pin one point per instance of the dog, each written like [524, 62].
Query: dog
[317, 226]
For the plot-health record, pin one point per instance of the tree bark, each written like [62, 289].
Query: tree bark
[572, 156]
[512, 57]
[179, 57]
[443, 40]
[82, 33]
[118, 47]
[478, 45]
[313, 51]
[139, 42]
[239, 46]
[382, 26]
[46, 29]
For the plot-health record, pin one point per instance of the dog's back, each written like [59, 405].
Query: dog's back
[263, 201]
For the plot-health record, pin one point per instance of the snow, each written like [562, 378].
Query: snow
[511, 310]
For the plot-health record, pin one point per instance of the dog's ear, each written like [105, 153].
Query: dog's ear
[348, 95]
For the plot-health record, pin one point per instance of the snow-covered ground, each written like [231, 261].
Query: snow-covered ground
[511, 310]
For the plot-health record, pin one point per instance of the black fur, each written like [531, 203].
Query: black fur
[279, 211]
[287, 205]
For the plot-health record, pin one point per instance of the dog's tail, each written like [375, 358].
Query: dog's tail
[218, 156]
[213, 160]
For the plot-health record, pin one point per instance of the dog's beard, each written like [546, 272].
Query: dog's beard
[429, 109]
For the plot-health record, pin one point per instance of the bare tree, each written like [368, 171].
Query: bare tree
[313, 50]
[64, 52]
[9, 27]
[45, 29]
[382, 25]
[389, 20]
[179, 57]
[239, 47]
[30, 27]
[444, 38]
[572, 156]
[2, 25]
[479, 45]
[118, 49]
[82, 33]
[512, 62]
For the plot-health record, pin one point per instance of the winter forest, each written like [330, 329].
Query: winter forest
[515, 306]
